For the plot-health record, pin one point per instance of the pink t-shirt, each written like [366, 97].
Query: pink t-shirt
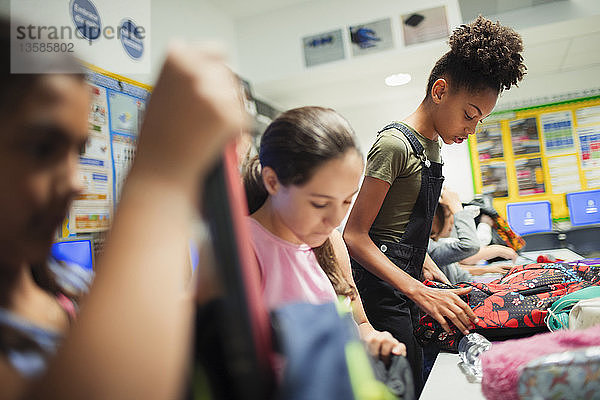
[290, 272]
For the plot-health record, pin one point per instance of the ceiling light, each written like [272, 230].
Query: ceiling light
[397, 79]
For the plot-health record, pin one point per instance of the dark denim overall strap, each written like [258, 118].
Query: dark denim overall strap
[386, 307]
[415, 238]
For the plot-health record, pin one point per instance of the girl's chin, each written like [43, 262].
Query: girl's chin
[317, 240]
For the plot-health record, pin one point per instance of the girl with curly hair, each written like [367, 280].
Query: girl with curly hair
[388, 228]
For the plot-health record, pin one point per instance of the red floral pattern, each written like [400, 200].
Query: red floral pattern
[520, 299]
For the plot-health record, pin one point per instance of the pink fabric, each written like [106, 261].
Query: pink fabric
[289, 272]
[502, 363]
[67, 305]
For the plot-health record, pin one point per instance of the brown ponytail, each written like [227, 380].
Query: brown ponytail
[295, 145]
[256, 193]
[329, 263]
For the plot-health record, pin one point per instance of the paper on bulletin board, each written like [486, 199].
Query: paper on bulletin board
[530, 176]
[592, 177]
[124, 148]
[126, 113]
[524, 136]
[91, 210]
[589, 141]
[588, 115]
[564, 174]
[557, 130]
[489, 142]
[493, 179]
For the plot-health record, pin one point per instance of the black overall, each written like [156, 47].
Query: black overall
[387, 308]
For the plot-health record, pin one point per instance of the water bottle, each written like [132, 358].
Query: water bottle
[470, 348]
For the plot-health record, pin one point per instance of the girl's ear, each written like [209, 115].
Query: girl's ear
[439, 90]
[270, 180]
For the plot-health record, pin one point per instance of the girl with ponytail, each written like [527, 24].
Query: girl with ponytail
[299, 188]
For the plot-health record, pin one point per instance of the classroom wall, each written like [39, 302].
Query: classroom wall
[197, 21]
[266, 49]
[270, 43]
[271, 57]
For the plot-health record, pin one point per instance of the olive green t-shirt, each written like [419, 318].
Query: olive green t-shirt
[393, 160]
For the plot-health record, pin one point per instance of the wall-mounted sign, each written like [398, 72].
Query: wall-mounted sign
[425, 25]
[371, 37]
[323, 47]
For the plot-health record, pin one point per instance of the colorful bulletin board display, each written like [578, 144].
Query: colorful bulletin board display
[538, 153]
[116, 111]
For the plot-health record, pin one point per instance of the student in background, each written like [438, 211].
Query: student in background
[132, 335]
[489, 250]
[454, 244]
[448, 251]
[299, 189]
[388, 229]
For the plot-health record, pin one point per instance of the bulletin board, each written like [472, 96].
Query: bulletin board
[116, 112]
[538, 153]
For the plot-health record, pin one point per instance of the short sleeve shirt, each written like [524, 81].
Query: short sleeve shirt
[392, 159]
[290, 273]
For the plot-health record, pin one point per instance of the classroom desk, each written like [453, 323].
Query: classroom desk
[446, 380]
[529, 257]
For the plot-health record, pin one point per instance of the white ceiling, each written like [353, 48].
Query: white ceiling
[549, 49]
[562, 52]
[247, 8]
[472, 8]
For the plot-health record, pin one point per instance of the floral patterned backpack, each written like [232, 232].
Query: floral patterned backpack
[515, 305]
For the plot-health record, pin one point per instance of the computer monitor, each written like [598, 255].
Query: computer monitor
[529, 217]
[584, 207]
[75, 251]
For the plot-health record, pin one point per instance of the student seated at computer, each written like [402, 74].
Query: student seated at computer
[490, 250]
[454, 243]
[131, 338]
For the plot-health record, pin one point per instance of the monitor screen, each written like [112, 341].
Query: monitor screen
[584, 207]
[75, 251]
[529, 217]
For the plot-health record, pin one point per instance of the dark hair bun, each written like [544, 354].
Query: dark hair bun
[483, 54]
[490, 49]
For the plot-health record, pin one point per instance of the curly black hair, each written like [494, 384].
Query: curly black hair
[483, 54]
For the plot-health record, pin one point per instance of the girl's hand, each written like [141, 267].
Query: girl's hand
[382, 344]
[444, 305]
[194, 110]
